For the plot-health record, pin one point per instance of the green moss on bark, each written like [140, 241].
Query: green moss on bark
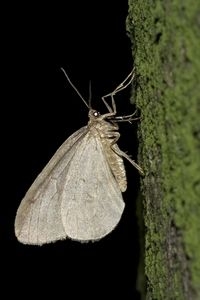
[166, 49]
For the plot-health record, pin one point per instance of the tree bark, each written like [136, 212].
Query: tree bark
[165, 37]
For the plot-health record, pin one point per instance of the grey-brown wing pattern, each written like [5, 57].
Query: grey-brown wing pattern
[38, 218]
[92, 202]
[71, 197]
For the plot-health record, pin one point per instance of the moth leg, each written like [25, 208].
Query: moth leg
[128, 118]
[118, 89]
[125, 83]
[107, 105]
[112, 111]
[122, 153]
[124, 119]
[116, 136]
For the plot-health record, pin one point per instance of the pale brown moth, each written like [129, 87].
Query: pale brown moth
[78, 195]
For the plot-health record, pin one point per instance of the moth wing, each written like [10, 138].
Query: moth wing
[91, 200]
[38, 219]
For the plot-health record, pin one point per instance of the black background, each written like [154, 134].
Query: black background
[89, 40]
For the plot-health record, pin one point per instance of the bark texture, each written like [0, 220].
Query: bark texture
[166, 48]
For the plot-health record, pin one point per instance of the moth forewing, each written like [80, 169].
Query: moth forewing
[78, 194]
[37, 207]
[96, 208]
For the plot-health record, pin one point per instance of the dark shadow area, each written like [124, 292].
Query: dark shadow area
[87, 39]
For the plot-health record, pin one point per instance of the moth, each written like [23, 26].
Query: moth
[78, 194]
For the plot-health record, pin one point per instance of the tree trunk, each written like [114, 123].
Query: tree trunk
[166, 48]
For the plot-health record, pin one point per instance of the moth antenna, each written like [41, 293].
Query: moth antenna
[90, 93]
[73, 86]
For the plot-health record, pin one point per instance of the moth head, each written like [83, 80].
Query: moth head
[93, 114]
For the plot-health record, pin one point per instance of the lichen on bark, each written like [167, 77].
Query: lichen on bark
[165, 36]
